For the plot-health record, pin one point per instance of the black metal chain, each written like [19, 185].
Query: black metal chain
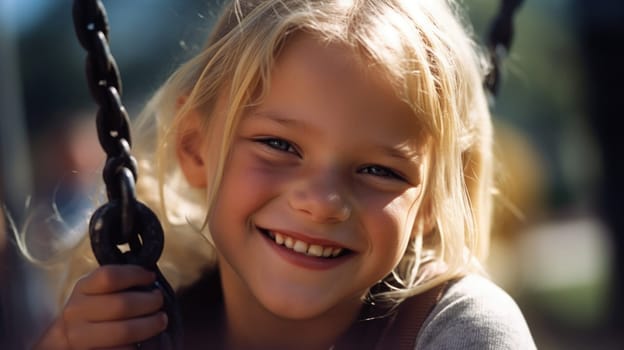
[123, 220]
[499, 41]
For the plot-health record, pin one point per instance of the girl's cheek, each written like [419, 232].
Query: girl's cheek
[270, 176]
[394, 212]
[263, 171]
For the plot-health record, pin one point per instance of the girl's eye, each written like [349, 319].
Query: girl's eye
[278, 144]
[381, 171]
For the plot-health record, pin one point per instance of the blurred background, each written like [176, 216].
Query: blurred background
[557, 241]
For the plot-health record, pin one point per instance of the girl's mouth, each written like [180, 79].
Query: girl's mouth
[304, 248]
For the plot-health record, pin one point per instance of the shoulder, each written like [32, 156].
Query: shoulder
[474, 313]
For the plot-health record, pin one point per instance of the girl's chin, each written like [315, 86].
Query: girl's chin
[296, 307]
[299, 303]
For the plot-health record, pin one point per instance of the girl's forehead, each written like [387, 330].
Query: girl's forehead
[314, 80]
[329, 54]
[339, 65]
[334, 64]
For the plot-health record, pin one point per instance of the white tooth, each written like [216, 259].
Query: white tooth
[315, 250]
[289, 242]
[300, 247]
[279, 239]
[327, 251]
[336, 251]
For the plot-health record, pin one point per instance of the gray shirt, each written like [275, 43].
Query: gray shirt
[475, 314]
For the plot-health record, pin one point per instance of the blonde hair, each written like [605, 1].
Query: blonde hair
[425, 51]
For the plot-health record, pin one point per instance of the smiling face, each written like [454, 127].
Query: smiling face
[321, 189]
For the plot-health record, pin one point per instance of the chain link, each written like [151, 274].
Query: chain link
[123, 220]
[499, 41]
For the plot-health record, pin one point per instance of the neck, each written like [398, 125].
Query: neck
[248, 325]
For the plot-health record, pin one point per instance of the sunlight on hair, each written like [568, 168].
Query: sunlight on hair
[344, 3]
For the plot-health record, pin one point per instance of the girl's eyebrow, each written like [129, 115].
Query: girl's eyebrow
[402, 152]
[276, 117]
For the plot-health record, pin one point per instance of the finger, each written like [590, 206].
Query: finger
[117, 333]
[114, 278]
[111, 307]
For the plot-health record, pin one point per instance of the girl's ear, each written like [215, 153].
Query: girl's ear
[189, 150]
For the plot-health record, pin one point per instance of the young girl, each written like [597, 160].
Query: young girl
[320, 166]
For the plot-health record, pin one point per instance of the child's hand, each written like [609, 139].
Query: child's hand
[102, 313]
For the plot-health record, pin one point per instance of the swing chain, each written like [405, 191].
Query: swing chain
[123, 220]
[499, 41]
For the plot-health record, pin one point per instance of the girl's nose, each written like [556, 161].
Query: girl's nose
[321, 199]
